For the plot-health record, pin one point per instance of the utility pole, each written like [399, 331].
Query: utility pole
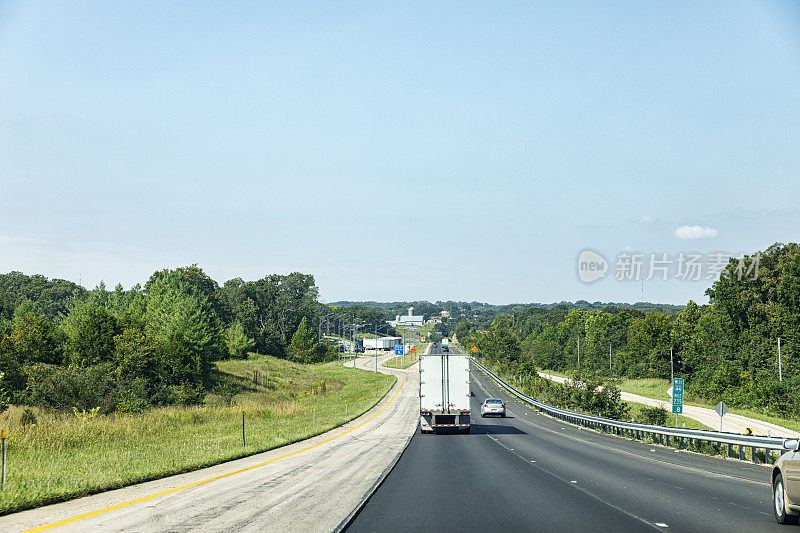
[376, 347]
[579, 352]
[780, 370]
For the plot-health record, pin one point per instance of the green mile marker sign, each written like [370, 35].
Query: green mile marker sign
[677, 395]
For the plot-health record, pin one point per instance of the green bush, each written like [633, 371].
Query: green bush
[188, 394]
[227, 391]
[652, 415]
[59, 388]
[28, 417]
[131, 402]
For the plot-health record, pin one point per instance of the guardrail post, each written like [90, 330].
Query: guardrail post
[753, 454]
[730, 450]
[661, 438]
[741, 452]
[668, 441]
[683, 442]
[768, 456]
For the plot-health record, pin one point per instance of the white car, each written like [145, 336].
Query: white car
[493, 406]
[786, 484]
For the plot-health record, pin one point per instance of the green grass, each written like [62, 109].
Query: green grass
[689, 422]
[410, 359]
[61, 457]
[657, 388]
[556, 373]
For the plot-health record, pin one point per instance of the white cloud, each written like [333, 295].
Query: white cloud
[695, 232]
[645, 219]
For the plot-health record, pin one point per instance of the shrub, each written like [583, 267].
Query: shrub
[653, 415]
[59, 388]
[28, 417]
[189, 394]
[227, 391]
[130, 402]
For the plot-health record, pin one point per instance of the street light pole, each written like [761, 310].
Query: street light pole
[672, 373]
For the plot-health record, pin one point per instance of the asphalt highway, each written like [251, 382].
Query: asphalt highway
[529, 472]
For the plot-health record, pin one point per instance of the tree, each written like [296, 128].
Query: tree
[138, 358]
[34, 339]
[90, 330]
[304, 342]
[185, 326]
[237, 342]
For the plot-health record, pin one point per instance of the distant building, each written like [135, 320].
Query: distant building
[407, 320]
[445, 314]
[434, 320]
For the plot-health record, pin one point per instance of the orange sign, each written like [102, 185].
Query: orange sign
[413, 349]
[474, 349]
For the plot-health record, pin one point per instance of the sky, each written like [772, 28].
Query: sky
[399, 150]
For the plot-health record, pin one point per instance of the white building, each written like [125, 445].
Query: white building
[408, 320]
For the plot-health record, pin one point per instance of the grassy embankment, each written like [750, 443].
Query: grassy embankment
[61, 457]
[410, 359]
[657, 388]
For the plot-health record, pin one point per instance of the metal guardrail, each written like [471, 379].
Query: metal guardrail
[660, 434]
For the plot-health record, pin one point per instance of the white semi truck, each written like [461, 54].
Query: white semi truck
[382, 343]
[444, 396]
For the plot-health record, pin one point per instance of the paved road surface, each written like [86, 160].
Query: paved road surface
[731, 423]
[312, 490]
[530, 472]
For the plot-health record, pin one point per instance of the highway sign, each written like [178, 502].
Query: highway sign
[398, 349]
[721, 409]
[677, 395]
[413, 349]
[474, 349]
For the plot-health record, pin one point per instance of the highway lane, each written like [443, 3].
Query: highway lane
[530, 472]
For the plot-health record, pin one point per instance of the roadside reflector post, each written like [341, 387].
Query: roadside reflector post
[345, 410]
[3, 437]
[242, 428]
[313, 416]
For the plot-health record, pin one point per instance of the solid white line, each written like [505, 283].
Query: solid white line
[661, 524]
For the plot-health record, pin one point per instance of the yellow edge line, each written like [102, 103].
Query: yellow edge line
[170, 491]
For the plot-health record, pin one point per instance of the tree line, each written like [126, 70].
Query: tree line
[62, 346]
[726, 349]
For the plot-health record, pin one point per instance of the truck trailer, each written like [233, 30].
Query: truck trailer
[444, 396]
[382, 343]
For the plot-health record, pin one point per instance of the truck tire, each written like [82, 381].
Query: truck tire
[778, 501]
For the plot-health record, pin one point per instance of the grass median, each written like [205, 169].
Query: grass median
[62, 457]
[409, 359]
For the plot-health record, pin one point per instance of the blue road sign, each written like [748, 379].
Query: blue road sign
[398, 349]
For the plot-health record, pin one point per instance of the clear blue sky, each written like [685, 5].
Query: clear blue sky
[397, 151]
